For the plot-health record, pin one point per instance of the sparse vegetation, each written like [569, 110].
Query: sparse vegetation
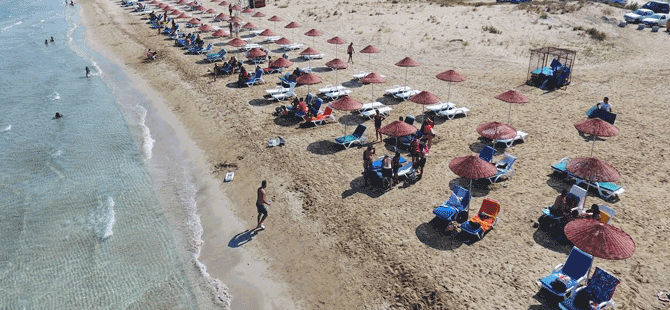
[596, 35]
[491, 29]
[632, 6]
[544, 15]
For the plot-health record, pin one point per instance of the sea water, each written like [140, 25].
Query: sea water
[93, 213]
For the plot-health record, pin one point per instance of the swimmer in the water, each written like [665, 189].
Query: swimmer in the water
[88, 72]
[58, 115]
[52, 40]
[46, 42]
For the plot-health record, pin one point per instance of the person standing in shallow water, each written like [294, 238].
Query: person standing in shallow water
[88, 72]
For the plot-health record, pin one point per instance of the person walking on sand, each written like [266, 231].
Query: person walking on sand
[230, 10]
[350, 51]
[261, 201]
[378, 124]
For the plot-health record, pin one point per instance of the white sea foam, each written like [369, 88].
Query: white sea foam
[7, 128]
[102, 220]
[147, 141]
[98, 71]
[58, 153]
[54, 96]
[12, 25]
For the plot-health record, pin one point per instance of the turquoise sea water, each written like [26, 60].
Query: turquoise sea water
[91, 215]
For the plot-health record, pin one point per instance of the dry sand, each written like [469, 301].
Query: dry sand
[338, 245]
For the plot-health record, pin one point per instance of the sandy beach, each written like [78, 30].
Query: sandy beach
[332, 243]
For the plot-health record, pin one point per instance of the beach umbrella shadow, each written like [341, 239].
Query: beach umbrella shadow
[546, 240]
[480, 188]
[434, 235]
[260, 102]
[352, 84]
[242, 238]
[324, 147]
[358, 186]
[287, 121]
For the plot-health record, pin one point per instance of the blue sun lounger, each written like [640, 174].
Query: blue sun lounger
[601, 288]
[456, 207]
[576, 268]
[356, 137]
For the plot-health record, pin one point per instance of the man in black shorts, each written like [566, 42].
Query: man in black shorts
[261, 201]
[420, 161]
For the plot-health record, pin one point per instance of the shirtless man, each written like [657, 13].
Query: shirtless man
[261, 201]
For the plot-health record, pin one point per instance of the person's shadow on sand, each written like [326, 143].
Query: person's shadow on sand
[242, 238]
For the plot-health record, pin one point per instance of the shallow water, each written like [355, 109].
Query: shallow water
[96, 210]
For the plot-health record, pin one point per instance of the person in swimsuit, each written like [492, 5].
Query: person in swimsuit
[387, 167]
[395, 164]
[88, 72]
[52, 40]
[378, 124]
[350, 51]
[261, 201]
[58, 115]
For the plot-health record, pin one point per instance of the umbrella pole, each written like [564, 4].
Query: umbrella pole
[449, 93]
[509, 115]
[593, 145]
[405, 76]
[370, 60]
[373, 91]
[470, 189]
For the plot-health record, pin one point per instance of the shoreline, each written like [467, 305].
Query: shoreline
[232, 271]
[339, 245]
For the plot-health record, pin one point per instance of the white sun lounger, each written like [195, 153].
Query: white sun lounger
[292, 46]
[250, 46]
[397, 89]
[330, 88]
[372, 112]
[520, 135]
[406, 94]
[371, 105]
[337, 94]
[255, 32]
[315, 56]
[360, 75]
[272, 39]
[306, 69]
[439, 106]
[279, 90]
[452, 111]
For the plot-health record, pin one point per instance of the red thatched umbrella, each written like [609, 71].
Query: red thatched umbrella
[292, 25]
[236, 8]
[336, 64]
[281, 62]
[346, 103]
[369, 50]
[593, 169]
[223, 3]
[597, 128]
[220, 33]
[206, 28]
[235, 19]
[424, 98]
[309, 51]
[249, 25]
[512, 96]
[211, 11]
[247, 10]
[258, 14]
[398, 129]
[194, 21]
[337, 41]
[267, 33]
[237, 42]
[472, 167]
[221, 16]
[407, 62]
[496, 131]
[283, 41]
[255, 52]
[274, 19]
[308, 79]
[162, 5]
[450, 76]
[154, 2]
[373, 78]
[183, 15]
[313, 33]
[175, 12]
[600, 239]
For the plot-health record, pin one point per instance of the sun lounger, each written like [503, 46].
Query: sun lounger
[573, 273]
[606, 190]
[370, 113]
[479, 226]
[290, 93]
[290, 47]
[337, 94]
[306, 69]
[330, 88]
[250, 46]
[212, 57]
[397, 89]
[451, 112]
[357, 137]
[278, 90]
[325, 117]
[269, 70]
[272, 39]
[255, 32]
[406, 94]
[310, 57]
[256, 79]
[505, 168]
[360, 75]
[370, 106]
[487, 153]
[456, 207]
[434, 108]
[576, 191]
[520, 136]
[600, 288]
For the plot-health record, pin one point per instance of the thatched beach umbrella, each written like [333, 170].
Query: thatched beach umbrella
[472, 167]
[496, 130]
[308, 79]
[450, 76]
[597, 128]
[274, 19]
[337, 64]
[512, 96]
[369, 50]
[346, 103]
[205, 28]
[313, 33]
[600, 239]
[424, 98]
[307, 52]
[406, 63]
[373, 78]
[292, 25]
[337, 41]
